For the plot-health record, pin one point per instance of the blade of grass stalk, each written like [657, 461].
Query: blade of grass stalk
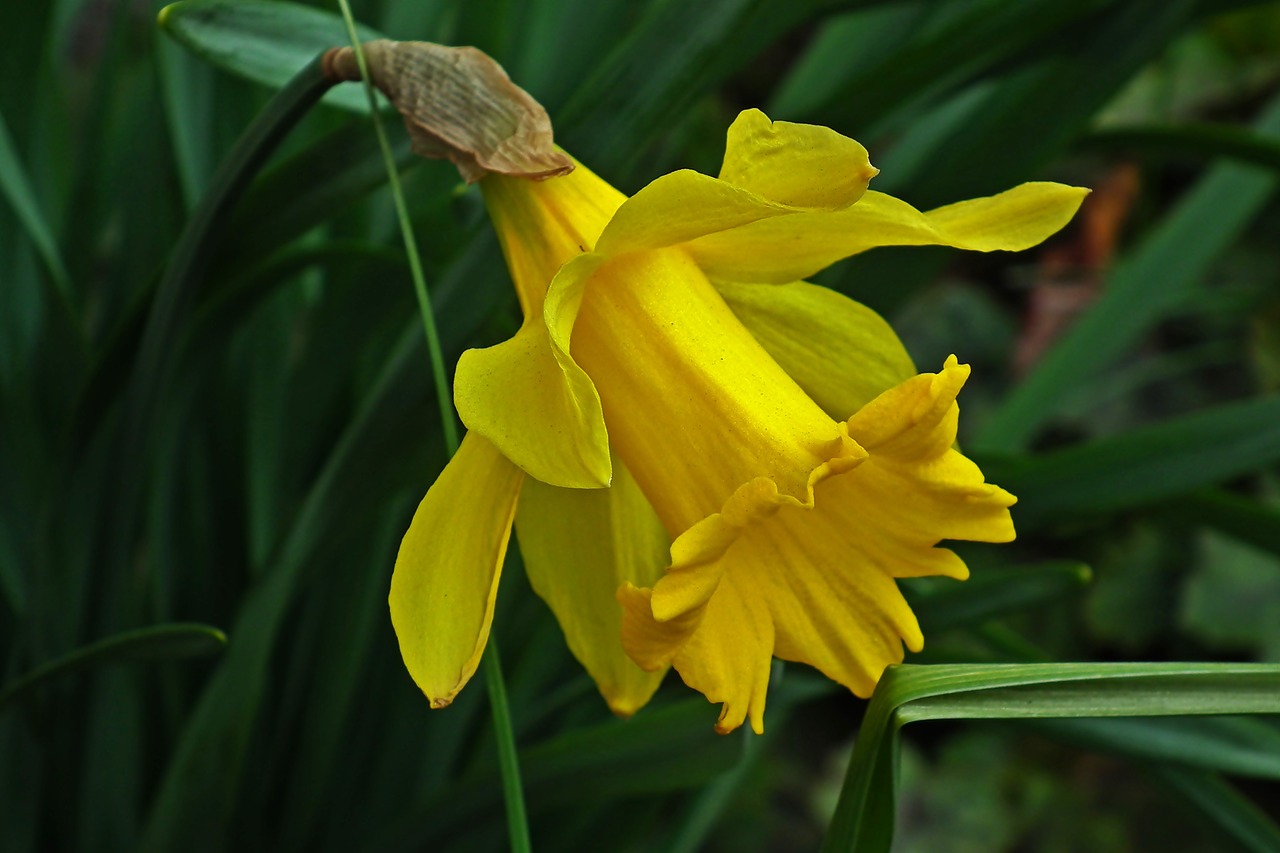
[1028, 114]
[160, 642]
[864, 817]
[198, 791]
[662, 749]
[987, 596]
[666, 63]
[309, 189]
[1140, 291]
[1239, 820]
[504, 733]
[269, 42]
[176, 294]
[1197, 141]
[188, 91]
[1246, 519]
[1241, 746]
[1142, 466]
[710, 803]
[1034, 109]
[355, 600]
[946, 46]
[17, 191]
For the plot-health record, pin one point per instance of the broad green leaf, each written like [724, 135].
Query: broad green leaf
[268, 42]
[864, 816]
[1143, 466]
[160, 642]
[1141, 290]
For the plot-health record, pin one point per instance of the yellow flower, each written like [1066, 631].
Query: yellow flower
[708, 461]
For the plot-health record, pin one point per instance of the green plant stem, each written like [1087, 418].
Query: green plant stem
[410, 246]
[508, 760]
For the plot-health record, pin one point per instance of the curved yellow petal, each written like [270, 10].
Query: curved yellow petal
[537, 407]
[446, 575]
[815, 581]
[681, 206]
[839, 351]
[542, 224]
[724, 652]
[579, 546]
[786, 248]
[695, 406]
[799, 165]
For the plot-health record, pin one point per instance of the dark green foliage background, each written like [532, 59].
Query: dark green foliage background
[264, 487]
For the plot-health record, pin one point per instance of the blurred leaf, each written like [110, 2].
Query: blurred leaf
[661, 749]
[16, 187]
[1231, 601]
[161, 642]
[1240, 820]
[949, 43]
[1240, 746]
[1246, 519]
[307, 189]
[989, 595]
[1201, 141]
[269, 42]
[199, 787]
[1142, 466]
[866, 811]
[1140, 291]
[668, 61]
[189, 107]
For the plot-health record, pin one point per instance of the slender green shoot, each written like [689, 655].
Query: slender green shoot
[508, 760]
[410, 245]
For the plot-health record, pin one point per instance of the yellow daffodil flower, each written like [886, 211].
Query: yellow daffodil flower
[708, 461]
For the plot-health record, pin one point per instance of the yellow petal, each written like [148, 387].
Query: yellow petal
[770, 169]
[787, 248]
[799, 165]
[695, 406]
[723, 651]
[815, 582]
[579, 546]
[537, 407]
[542, 224]
[839, 351]
[918, 488]
[446, 575]
[681, 206]
[729, 657]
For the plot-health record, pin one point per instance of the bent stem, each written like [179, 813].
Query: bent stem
[508, 760]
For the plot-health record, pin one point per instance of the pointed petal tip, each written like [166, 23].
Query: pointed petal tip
[439, 702]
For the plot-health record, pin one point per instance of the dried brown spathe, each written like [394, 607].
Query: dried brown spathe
[459, 105]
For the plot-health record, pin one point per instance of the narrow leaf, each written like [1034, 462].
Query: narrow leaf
[160, 642]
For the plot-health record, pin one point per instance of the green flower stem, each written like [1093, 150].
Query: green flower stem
[410, 246]
[508, 760]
